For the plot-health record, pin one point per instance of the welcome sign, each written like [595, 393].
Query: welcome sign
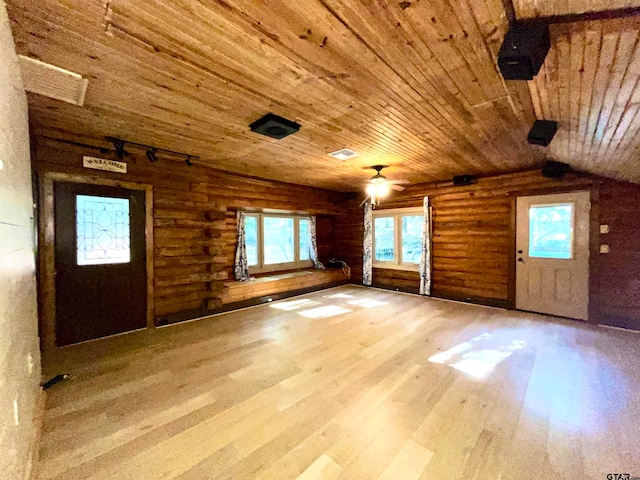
[104, 164]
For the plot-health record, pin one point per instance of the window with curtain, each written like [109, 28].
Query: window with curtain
[397, 238]
[277, 242]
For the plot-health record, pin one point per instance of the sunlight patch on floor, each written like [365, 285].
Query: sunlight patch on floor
[367, 303]
[477, 357]
[294, 304]
[338, 295]
[324, 312]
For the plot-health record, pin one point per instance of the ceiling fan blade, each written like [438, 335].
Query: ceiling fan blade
[397, 188]
[399, 182]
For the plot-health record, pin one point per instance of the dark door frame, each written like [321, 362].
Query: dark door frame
[46, 248]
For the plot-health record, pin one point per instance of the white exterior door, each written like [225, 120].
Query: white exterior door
[552, 254]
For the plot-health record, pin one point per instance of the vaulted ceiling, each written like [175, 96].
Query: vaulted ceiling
[410, 84]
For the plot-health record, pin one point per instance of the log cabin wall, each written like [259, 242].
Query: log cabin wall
[473, 235]
[617, 282]
[194, 218]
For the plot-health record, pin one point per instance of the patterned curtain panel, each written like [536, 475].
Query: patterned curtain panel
[367, 268]
[241, 265]
[425, 257]
[313, 246]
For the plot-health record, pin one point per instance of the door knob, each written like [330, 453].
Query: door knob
[520, 260]
[519, 251]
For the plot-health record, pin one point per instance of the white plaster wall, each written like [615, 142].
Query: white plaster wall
[19, 345]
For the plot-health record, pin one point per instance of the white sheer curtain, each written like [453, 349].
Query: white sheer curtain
[425, 257]
[313, 245]
[241, 264]
[367, 265]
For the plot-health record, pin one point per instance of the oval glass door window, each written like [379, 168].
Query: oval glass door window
[551, 231]
[102, 230]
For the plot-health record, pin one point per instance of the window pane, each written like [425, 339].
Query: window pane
[102, 229]
[304, 239]
[551, 231]
[411, 238]
[278, 240]
[251, 239]
[384, 239]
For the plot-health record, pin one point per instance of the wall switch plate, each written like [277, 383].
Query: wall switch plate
[604, 248]
[16, 417]
[604, 228]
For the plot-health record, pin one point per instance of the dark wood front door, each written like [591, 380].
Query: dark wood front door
[100, 260]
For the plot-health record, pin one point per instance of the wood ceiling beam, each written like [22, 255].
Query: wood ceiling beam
[628, 12]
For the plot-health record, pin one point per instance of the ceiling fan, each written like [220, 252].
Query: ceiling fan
[379, 186]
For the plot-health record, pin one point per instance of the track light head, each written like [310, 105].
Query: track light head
[151, 155]
[119, 146]
[188, 161]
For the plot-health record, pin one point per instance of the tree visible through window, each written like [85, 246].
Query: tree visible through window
[277, 242]
[384, 239]
[551, 231]
[397, 238]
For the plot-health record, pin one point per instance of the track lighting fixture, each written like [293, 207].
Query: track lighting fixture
[151, 155]
[118, 145]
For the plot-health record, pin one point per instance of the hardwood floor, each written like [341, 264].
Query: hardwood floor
[348, 383]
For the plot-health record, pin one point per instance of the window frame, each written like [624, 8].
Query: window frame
[396, 214]
[276, 267]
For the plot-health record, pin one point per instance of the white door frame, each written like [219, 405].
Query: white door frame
[592, 244]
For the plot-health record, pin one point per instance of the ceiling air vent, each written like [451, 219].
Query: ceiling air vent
[274, 126]
[53, 82]
[343, 154]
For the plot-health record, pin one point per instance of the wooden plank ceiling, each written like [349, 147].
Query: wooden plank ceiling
[408, 84]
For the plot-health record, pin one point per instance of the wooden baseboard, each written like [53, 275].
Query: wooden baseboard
[252, 302]
[31, 472]
[488, 302]
[395, 288]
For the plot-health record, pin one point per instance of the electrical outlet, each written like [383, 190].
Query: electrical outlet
[16, 417]
[604, 248]
[604, 228]
[30, 363]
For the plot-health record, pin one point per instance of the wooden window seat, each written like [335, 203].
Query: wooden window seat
[279, 283]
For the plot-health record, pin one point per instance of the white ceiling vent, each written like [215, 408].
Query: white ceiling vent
[51, 81]
[343, 154]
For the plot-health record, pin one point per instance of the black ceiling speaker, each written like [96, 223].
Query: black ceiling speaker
[274, 126]
[553, 169]
[523, 51]
[542, 132]
[460, 180]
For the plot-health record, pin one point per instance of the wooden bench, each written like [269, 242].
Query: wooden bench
[279, 283]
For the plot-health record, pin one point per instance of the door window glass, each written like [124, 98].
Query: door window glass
[551, 231]
[102, 230]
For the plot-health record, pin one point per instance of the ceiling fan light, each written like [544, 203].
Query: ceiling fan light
[371, 189]
[382, 189]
